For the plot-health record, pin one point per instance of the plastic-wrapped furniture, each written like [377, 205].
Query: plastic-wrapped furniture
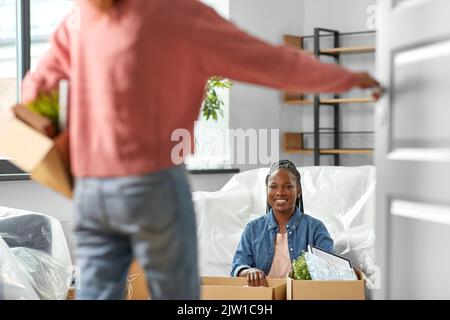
[342, 197]
[34, 257]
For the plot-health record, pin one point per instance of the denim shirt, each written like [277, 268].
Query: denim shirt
[257, 246]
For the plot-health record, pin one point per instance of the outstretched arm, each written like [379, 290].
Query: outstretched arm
[227, 51]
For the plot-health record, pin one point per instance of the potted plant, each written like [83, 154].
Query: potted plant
[212, 105]
[300, 268]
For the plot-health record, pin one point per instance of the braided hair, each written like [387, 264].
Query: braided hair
[289, 166]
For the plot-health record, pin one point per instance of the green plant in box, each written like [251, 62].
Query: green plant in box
[300, 268]
[47, 105]
[213, 103]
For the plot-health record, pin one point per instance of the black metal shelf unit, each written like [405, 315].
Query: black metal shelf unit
[318, 102]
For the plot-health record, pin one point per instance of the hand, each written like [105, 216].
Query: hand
[255, 277]
[365, 81]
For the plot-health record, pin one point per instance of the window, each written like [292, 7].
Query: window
[212, 146]
[8, 59]
[46, 15]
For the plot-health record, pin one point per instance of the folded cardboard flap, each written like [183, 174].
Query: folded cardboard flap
[39, 155]
[36, 121]
[227, 288]
[325, 290]
[24, 145]
[52, 172]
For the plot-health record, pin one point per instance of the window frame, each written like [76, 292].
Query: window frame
[9, 172]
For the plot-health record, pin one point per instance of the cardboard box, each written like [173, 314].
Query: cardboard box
[33, 152]
[325, 290]
[227, 288]
[71, 294]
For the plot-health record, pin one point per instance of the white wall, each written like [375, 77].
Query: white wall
[257, 107]
[208, 182]
[343, 15]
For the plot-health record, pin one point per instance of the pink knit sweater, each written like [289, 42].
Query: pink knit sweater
[138, 74]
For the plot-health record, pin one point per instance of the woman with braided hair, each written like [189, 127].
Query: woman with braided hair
[269, 243]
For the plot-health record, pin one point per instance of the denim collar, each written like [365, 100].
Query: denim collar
[293, 222]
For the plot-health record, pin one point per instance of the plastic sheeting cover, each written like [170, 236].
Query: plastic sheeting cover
[34, 257]
[320, 269]
[342, 197]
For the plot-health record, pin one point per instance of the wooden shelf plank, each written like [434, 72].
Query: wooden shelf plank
[349, 50]
[298, 101]
[293, 143]
[346, 151]
[293, 140]
[299, 151]
[296, 41]
[293, 41]
[335, 51]
[291, 95]
[348, 100]
[329, 101]
[330, 151]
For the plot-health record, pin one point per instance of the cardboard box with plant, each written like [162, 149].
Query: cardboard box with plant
[35, 142]
[301, 286]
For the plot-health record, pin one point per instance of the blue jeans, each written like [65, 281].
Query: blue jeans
[150, 217]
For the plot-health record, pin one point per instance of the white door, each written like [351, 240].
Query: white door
[413, 150]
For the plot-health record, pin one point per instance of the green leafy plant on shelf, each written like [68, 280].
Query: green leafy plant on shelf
[300, 268]
[47, 105]
[212, 105]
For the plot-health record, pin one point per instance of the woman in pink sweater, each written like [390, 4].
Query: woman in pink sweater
[137, 70]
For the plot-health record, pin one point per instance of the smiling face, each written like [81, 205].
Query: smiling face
[282, 191]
